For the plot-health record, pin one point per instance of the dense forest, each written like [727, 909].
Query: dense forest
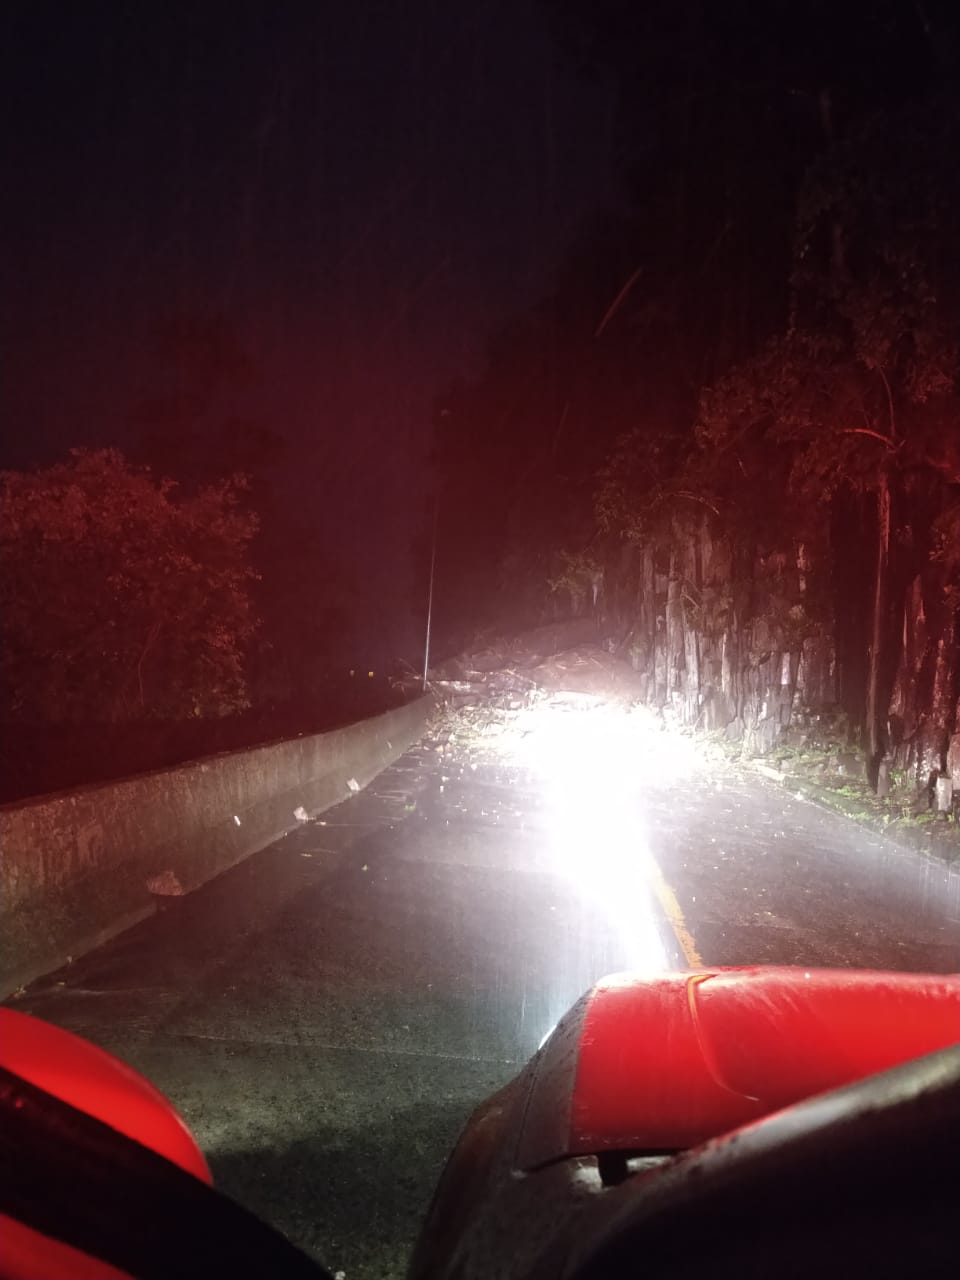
[732, 432]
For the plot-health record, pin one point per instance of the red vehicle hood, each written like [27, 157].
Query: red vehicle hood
[662, 1063]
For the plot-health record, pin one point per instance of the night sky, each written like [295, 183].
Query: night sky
[351, 197]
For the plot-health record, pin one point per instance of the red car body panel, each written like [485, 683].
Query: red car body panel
[670, 1061]
[96, 1082]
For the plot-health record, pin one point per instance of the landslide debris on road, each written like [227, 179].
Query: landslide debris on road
[509, 672]
[482, 696]
[483, 711]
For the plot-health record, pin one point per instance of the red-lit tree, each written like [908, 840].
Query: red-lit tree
[861, 391]
[120, 597]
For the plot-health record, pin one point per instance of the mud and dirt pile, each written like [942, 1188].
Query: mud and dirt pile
[512, 672]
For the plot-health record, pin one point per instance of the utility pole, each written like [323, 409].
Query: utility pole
[433, 566]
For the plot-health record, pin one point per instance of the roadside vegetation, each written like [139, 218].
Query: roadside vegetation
[731, 435]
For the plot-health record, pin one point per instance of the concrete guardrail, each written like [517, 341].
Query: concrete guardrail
[74, 865]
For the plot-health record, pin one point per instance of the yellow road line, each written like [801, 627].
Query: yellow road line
[672, 910]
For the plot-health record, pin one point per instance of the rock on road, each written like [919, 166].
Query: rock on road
[326, 1014]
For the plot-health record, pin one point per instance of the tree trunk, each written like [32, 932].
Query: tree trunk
[675, 632]
[876, 710]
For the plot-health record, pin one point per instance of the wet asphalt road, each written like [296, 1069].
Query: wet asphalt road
[327, 1014]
